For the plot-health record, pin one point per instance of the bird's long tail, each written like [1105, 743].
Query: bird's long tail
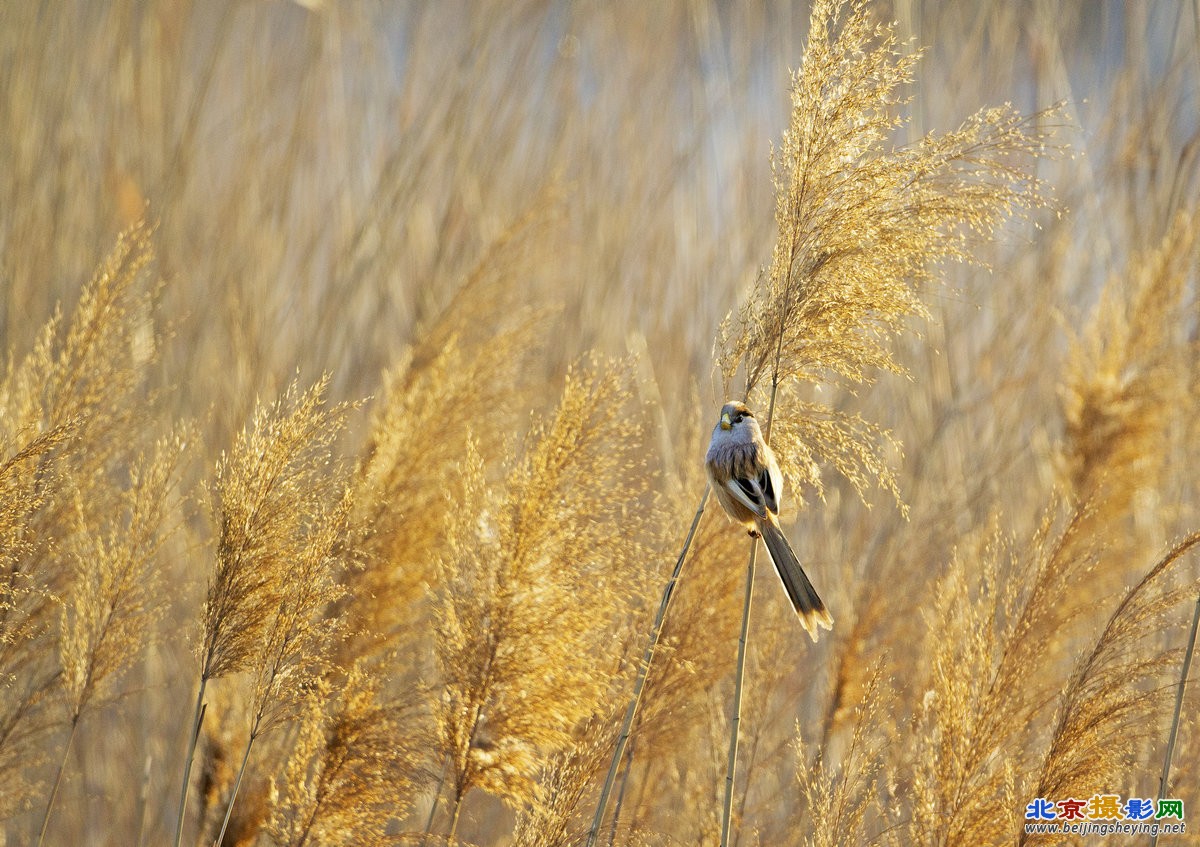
[795, 581]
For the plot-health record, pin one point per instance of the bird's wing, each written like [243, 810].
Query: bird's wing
[771, 483]
[749, 493]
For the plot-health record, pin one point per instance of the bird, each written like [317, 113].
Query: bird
[745, 476]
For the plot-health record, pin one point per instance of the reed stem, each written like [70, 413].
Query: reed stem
[643, 669]
[433, 807]
[197, 720]
[236, 785]
[62, 765]
[735, 722]
[1183, 678]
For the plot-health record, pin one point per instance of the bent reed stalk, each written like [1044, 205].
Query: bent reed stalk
[639, 683]
[189, 756]
[736, 719]
[1169, 754]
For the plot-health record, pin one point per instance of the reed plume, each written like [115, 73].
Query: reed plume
[405, 475]
[536, 574]
[1119, 395]
[1007, 619]
[70, 418]
[115, 596]
[988, 627]
[26, 676]
[863, 228]
[843, 799]
[1113, 690]
[349, 774]
[293, 656]
[270, 494]
[1124, 379]
[564, 783]
[473, 357]
[281, 511]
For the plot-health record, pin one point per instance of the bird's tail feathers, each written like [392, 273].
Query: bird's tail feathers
[800, 591]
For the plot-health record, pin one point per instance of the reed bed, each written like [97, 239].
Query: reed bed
[360, 362]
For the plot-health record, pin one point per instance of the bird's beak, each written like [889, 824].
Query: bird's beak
[725, 422]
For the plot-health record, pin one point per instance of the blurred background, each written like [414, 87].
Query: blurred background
[324, 176]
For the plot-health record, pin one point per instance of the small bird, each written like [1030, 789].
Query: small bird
[746, 479]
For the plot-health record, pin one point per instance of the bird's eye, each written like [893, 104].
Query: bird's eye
[738, 417]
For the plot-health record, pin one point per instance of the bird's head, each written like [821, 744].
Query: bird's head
[733, 414]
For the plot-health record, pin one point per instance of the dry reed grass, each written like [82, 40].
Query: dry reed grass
[413, 593]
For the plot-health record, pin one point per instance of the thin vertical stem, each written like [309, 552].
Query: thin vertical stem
[454, 818]
[437, 796]
[1163, 780]
[197, 720]
[616, 817]
[640, 682]
[740, 676]
[735, 722]
[145, 800]
[746, 790]
[236, 785]
[62, 766]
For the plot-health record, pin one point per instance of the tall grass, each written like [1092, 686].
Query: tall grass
[338, 496]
